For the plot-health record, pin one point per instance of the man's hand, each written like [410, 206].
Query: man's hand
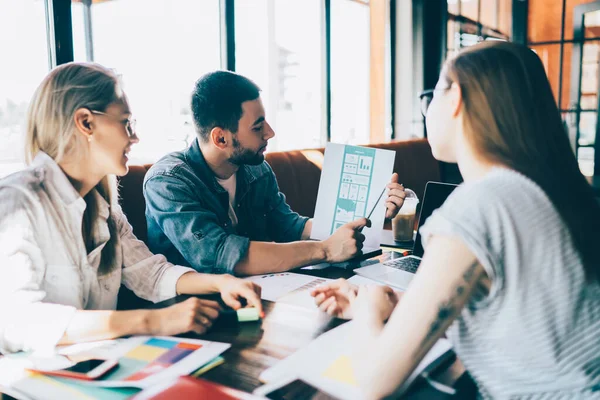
[346, 242]
[395, 198]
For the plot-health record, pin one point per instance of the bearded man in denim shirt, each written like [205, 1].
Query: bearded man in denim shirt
[216, 206]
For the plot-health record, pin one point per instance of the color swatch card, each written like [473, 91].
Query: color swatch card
[142, 361]
[351, 185]
[153, 358]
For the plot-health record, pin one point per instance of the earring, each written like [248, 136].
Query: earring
[89, 138]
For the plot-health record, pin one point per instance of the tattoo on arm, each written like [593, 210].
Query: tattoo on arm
[448, 308]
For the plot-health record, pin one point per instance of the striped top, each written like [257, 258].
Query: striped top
[536, 335]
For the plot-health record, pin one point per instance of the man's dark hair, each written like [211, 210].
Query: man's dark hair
[217, 101]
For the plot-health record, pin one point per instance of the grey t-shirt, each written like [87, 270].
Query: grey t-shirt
[536, 335]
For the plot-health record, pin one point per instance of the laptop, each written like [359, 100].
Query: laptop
[398, 272]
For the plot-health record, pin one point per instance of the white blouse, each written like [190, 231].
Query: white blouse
[46, 272]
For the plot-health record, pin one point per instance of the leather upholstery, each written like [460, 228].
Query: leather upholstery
[298, 173]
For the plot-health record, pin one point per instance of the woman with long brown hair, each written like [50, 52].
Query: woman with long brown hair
[511, 271]
[65, 244]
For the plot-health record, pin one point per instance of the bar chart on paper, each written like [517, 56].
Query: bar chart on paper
[352, 182]
[354, 185]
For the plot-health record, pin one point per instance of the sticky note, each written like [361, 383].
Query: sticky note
[247, 314]
[341, 371]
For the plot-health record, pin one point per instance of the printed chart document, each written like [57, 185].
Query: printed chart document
[288, 287]
[352, 180]
[326, 364]
[143, 362]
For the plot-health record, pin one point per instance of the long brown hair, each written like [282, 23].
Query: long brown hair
[51, 129]
[511, 117]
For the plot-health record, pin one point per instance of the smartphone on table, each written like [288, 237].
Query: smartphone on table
[292, 388]
[86, 370]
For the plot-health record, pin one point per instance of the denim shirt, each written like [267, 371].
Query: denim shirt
[187, 212]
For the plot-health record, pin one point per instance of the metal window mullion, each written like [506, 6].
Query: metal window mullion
[562, 51]
[327, 50]
[392, 68]
[61, 26]
[519, 21]
[479, 24]
[50, 37]
[87, 26]
[227, 29]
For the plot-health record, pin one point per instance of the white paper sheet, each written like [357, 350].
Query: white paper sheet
[352, 179]
[288, 287]
[325, 364]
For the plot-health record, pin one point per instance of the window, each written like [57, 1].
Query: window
[160, 48]
[279, 46]
[576, 94]
[472, 21]
[23, 66]
[350, 57]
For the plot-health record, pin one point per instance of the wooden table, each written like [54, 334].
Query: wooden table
[285, 329]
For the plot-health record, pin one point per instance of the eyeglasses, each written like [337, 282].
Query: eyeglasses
[426, 97]
[129, 124]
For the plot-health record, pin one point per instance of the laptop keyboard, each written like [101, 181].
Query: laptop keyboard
[408, 264]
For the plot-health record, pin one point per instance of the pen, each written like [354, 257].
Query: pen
[377, 202]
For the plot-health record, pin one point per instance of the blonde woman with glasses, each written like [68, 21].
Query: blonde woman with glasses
[511, 271]
[65, 245]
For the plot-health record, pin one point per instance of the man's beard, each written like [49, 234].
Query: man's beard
[242, 156]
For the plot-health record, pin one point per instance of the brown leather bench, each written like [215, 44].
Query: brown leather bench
[298, 173]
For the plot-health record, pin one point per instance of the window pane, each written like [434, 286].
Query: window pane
[550, 55]
[470, 9]
[276, 49]
[489, 15]
[453, 36]
[453, 7]
[160, 48]
[585, 157]
[350, 55]
[544, 20]
[589, 76]
[505, 17]
[570, 8]
[23, 40]
[587, 128]
[592, 24]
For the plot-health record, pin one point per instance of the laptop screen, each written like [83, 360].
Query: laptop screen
[435, 195]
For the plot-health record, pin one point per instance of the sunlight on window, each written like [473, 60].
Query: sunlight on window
[23, 20]
[275, 49]
[350, 57]
[160, 48]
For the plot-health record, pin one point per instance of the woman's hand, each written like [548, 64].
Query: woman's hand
[193, 315]
[234, 289]
[336, 298]
[375, 301]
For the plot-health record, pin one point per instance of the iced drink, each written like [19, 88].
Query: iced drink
[403, 224]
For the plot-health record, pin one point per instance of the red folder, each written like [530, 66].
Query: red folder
[187, 387]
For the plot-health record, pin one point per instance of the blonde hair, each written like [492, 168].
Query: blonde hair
[511, 117]
[51, 129]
